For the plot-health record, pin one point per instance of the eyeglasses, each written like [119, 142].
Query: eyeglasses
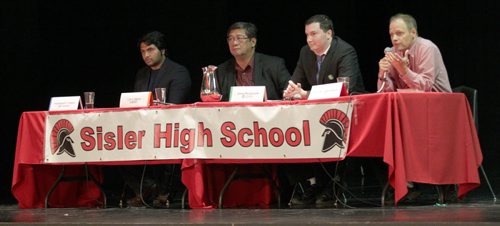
[239, 38]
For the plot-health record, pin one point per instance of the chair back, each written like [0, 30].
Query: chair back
[471, 95]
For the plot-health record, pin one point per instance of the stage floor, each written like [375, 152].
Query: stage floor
[478, 207]
[473, 212]
[362, 207]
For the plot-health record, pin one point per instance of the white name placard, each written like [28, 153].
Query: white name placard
[325, 91]
[64, 103]
[247, 94]
[135, 99]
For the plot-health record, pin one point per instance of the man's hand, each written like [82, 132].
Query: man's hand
[294, 91]
[383, 66]
[398, 62]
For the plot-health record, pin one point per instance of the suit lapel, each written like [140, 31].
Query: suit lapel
[145, 80]
[327, 64]
[231, 80]
[311, 67]
[164, 70]
[257, 71]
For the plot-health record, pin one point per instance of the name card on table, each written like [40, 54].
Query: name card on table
[65, 103]
[329, 90]
[247, 94]
[135, 99]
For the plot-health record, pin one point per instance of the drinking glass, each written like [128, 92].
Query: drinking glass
[344, 80]
[160, 95]
[89, 99]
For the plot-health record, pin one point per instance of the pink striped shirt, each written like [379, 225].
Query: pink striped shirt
[426, 70]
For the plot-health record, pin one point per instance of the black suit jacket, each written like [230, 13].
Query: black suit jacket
[268, 71]
[340, 60]
[173, 76]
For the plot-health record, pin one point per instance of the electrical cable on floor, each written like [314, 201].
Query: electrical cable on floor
[335, 179]
[169, 185]
[141, 185]
[336, 182]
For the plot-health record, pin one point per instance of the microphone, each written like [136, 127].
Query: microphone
[386, 50]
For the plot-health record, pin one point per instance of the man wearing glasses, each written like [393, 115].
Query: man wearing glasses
[250, 68]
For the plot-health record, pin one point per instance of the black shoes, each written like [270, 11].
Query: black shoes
[410, 197]
[315, 195]
[161, 201]
[326, 198]
[413, 194]
[307, 198]
[147, 194]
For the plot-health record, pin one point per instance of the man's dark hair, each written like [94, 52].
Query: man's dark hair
[250, 29]
[153, 38]
[325, 23]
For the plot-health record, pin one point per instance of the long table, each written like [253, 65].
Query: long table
[422, 137]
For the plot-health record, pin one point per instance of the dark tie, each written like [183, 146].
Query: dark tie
[319, 60]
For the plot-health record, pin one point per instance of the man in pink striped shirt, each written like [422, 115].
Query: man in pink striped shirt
[413, 62]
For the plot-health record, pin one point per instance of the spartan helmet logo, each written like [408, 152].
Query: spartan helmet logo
[60, 141]
[337, 125]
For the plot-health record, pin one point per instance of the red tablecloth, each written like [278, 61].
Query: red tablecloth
[423, 137]
[432, 140]
[32, 179]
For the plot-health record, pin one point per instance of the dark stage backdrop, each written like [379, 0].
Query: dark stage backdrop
[63, 48]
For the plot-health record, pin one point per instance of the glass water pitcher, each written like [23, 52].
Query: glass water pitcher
[209, 88]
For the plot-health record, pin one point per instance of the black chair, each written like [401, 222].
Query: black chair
[471, 95]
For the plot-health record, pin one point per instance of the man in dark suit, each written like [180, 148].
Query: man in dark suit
[336, 58]
[321, 61]
[249, 68]
[159, 72]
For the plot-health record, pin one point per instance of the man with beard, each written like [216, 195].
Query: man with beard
[160, 72]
